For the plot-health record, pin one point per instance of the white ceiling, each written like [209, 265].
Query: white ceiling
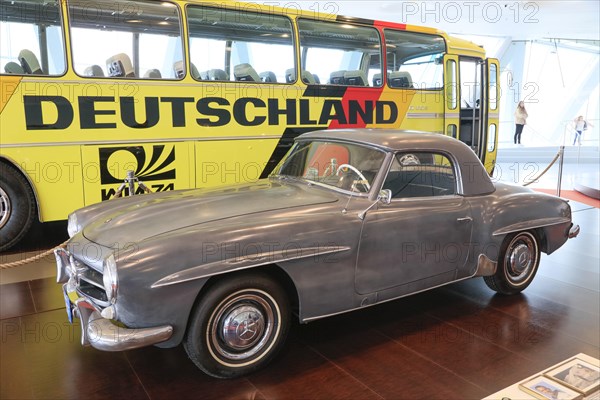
[520, 20]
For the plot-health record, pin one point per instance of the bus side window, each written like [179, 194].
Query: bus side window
[233, 45]
[345, 56]
[134, 45]
[413, 60]
[31, 38]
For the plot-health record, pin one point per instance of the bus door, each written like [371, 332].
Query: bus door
[491, 72]
[470, 102]
[451, 96]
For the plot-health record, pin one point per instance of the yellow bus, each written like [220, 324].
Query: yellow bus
[197, 94]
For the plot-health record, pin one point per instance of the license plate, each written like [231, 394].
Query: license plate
[68, 305]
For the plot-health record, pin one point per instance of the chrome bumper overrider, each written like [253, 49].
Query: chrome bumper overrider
[97, 331]
[103, 334]
[574, 231]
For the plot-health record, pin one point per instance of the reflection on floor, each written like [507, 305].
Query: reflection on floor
[456, 342]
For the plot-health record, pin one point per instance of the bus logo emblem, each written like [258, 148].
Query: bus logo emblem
[116, 161]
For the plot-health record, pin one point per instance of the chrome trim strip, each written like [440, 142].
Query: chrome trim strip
[103, 334]
[108, 142]
[424, 115]
[199, 271]
[396, 298]
[383, 301]
[539, 223]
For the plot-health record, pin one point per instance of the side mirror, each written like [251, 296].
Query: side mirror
[385, 196]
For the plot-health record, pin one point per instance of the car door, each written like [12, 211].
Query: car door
[422, 237]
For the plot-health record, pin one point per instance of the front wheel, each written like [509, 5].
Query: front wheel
[238, 326]
[517, 265]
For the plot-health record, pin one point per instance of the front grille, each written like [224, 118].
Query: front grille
[89, 283]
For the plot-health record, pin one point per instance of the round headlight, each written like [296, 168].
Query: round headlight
[73, 227]
[110, 278]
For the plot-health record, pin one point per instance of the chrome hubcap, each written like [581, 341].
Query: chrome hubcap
[5, 208]
[521, 258]
[242, 326]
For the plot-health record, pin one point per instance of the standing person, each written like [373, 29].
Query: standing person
[580, 126]
[520, 121]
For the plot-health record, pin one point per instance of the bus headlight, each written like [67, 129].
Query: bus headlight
[110, 278]
[73, 226]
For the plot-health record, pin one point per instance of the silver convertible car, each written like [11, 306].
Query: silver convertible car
[348, 219]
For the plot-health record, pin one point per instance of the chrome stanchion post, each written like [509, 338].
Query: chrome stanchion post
[130, 182]
[560, 169]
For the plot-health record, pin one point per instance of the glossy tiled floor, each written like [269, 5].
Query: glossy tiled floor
[456, 342]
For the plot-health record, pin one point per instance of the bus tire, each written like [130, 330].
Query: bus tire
[17, 207]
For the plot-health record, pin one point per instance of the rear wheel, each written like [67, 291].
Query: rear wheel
[17, 207]
[238, 326]
[517, 265]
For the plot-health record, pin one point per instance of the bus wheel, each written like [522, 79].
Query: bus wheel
[17, 207]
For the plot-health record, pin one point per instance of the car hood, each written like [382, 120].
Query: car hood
[121, 225]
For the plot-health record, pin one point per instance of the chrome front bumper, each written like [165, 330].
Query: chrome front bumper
[97, 331]
[103, 334]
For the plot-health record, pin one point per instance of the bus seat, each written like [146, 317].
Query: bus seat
[216, 74]
[337, 77]
[153, 74]
[245, 73]
[356, 78]
[317, 79]
[377, 80]
[93, 70]
[194, 72]
[290, 75]
[268, 76]
[178, 69]
[12, 67]
[400, 79]
[308, 78]
[120, 66]
[29, 62]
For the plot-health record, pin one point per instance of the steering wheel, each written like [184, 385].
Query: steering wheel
[357, 172]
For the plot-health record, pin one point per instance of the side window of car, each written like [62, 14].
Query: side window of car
[421, 175]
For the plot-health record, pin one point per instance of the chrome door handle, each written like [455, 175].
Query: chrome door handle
[465, 219]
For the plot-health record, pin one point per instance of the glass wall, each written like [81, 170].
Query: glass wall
[557, 79]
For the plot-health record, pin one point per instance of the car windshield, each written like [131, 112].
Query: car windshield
[344, 166]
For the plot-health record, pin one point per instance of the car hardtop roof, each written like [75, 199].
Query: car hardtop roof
[476, 180]
[390, 139]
